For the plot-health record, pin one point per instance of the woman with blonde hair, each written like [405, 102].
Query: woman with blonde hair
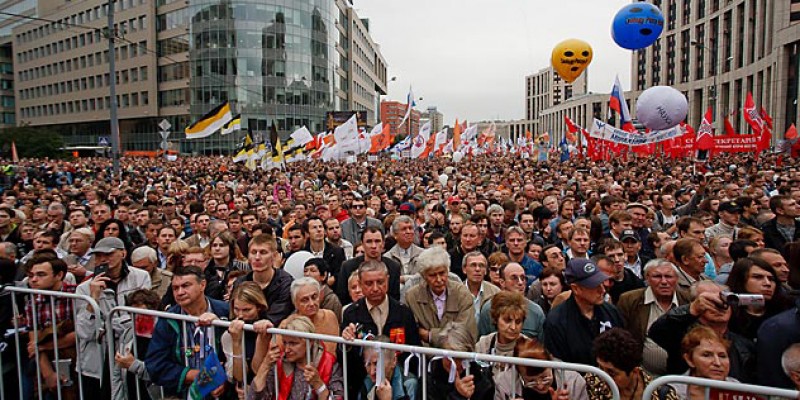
[303, 367]
[248, 306]
[508, 314]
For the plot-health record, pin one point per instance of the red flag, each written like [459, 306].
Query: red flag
[705, 133]
[728, 126]
[766, 117]
[752, 116]
[791, 133]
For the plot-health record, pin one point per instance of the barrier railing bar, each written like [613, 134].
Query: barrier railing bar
[17, 343]
[396, 347]
[77, 353]
[55, 346]
[712, 383]
[344, 371]
[244, 365]
[35, 323]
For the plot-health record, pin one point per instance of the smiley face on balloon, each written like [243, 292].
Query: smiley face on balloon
[570, 58]
[637, 25]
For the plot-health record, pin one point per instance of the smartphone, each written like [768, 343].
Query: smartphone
[100, 269]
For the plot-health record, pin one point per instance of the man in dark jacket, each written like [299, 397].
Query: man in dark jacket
[373, 242]
[274, 282]
[706, 309]
[170, 347]
[570, 328]
[785, 227]
[774, 336]
[376, 314]
[319, 247]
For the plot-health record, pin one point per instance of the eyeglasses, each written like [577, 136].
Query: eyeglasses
[541, 381]
[358, 206]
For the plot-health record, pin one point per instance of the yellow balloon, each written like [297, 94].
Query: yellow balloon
[570, 58]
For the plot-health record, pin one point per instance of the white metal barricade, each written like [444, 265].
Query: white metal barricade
[13, 292]
[423, 352]
[715, 384]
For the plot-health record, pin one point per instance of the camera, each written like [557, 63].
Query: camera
[737, 299]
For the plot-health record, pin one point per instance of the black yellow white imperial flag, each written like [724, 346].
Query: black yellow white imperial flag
[213, 121]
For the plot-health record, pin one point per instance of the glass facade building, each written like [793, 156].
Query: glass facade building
[273, 60]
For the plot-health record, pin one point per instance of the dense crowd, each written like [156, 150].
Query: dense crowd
[643, 267]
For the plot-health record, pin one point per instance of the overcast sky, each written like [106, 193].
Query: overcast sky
[470, 57]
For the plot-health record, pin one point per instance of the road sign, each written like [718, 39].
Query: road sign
[103, 141]
[164, 125]
[164, 134]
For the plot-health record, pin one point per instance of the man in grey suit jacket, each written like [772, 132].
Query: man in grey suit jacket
[353, 227]
[405, 251]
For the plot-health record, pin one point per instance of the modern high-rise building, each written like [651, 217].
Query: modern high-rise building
[392, 113]
[716, 51]
[362, 72]
[23, 8]
[273, 61]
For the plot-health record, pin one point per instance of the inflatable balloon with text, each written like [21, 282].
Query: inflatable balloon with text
[661, 107]
[570, 58]
[637, 26]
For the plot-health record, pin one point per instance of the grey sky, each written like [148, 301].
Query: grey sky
[470, 57]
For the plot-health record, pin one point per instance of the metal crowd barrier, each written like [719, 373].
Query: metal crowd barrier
[722, 385]
[422, 352]
[12, 291]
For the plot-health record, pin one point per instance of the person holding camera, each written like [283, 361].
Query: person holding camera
[708, 309]
[757, 280]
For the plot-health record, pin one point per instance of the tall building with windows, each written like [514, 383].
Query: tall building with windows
[22, 8]
[716, 51]
[362, 68]
[274, 61]
[546, 89]
[392, 113]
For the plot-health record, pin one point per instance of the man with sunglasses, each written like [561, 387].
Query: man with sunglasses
[353, 227]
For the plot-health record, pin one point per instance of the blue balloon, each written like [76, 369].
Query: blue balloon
[637, 26]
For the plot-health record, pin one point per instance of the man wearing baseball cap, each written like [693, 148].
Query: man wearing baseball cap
[729, 214]
[570, 328]
[113, 280]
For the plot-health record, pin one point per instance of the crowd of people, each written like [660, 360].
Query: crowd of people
[642, 268]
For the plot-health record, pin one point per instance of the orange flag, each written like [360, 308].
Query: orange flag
[456, 135]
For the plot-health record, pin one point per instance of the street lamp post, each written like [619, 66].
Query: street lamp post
[715, 87]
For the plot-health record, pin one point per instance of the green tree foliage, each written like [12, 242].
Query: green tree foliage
[31, 142]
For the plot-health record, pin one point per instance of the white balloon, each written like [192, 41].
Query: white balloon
[443, 179]
[457, 156]
[296, 263]
[661, 107]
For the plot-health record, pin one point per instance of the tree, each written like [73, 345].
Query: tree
[31, 142]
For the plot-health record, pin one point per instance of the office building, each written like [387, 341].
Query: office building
[546, 89]
[392, 113]
[362, 73]
[433, 116]
[286, 63]
[716, 51]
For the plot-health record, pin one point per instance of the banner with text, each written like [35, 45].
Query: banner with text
[604, 131]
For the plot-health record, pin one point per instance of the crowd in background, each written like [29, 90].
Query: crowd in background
[644, 267]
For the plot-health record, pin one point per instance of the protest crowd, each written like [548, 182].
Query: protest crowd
[642, 266]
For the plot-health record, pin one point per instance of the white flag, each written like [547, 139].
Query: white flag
[346, 132]
[421, 140]
[301, 136]
[441, 140]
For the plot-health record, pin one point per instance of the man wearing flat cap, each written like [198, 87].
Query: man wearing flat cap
[570, 328]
